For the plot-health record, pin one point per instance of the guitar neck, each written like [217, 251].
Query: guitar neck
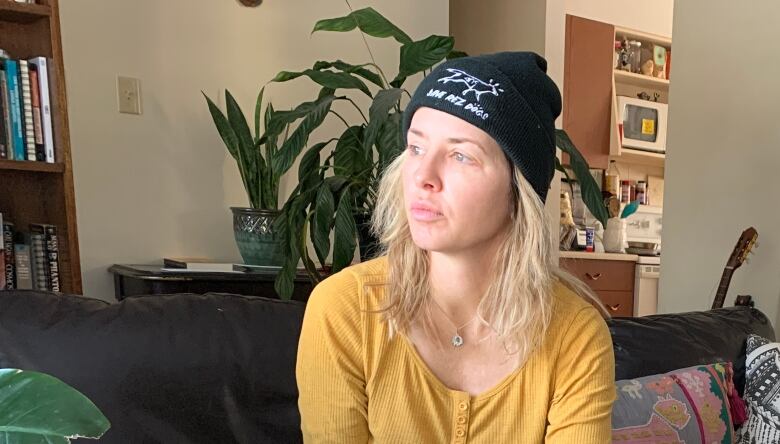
[723, 288]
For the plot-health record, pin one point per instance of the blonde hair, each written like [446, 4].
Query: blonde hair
[517, 305]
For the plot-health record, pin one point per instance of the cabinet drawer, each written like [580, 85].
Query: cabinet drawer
[618, 303]
[602, 274]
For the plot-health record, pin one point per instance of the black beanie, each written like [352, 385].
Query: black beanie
[509, 96]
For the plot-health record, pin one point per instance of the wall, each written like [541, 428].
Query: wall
[723, 155]
[161, 184]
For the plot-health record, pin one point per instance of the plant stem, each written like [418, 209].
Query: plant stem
[356, 107]
[339, 116]
[381, 73]
[370, 54]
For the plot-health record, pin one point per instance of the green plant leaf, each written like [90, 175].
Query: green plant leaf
[246, 146]
[591, 194]
[292, 147]
[354, 69]
[281, 119]
[383, 103]
[345, 233]
[223, 127]
[328, 79]
[563, 170]
[322, 222]
[421, 55]
[390, 142]
[308, 167]
[348, 156]
[38, 408]
[455, 54]
[368, 20]
[258, 113]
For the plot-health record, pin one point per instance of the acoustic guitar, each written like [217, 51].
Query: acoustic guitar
[744, 247]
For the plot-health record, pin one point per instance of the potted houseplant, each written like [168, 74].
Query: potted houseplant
[337, 195]
[255, 156]
[35, 407]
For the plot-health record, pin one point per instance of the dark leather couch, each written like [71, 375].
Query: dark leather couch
[220, 368]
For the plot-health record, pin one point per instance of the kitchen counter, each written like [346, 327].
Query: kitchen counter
[602, 256]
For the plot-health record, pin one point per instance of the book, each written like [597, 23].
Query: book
[40, 153]
[38, 260]
[15, 109]
[24, 278]
[52, 256]
[194, 264]
[27, 112]
[2, 256]
[9, 256]
[44, 91]
[3, 113]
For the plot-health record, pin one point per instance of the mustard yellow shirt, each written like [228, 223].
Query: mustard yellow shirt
[358, 386]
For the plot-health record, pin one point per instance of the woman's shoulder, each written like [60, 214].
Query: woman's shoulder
[344, 290]
[569, 308]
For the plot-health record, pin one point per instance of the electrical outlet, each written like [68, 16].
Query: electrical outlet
[128, 91]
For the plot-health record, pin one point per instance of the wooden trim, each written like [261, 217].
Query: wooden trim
[23, 165]
[11, 11]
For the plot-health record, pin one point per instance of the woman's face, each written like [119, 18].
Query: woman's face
[456, 183]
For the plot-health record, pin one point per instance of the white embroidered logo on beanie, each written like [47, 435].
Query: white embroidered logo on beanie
[473, 84]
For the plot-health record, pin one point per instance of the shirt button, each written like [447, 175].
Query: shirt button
[463, 406]
[459, 433]
[461, 419]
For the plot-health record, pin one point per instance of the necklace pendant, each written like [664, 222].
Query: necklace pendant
[457, 340]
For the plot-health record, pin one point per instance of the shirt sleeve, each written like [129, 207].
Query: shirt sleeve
[329, 369]
[581, 408]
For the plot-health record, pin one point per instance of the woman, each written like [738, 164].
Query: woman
[465, 330]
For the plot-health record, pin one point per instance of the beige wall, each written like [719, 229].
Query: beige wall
[723, 154]
[162, 183]
[497, 25]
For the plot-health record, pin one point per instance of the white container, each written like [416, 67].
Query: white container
[615, 238]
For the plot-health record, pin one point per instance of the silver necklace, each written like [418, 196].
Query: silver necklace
[457, 339]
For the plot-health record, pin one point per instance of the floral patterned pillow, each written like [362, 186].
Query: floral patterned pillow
[689, 405]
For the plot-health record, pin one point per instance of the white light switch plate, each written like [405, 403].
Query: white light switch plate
[128, 91]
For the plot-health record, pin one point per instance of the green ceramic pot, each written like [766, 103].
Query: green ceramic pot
[253, 230]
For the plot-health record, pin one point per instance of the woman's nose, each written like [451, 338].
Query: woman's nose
[427, 176]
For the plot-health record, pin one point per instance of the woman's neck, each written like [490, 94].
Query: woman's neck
[458, 282]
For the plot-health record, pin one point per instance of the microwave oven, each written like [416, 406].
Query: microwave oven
[642, 124]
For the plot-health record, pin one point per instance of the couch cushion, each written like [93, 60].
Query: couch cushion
[176, 368]
[689, 405]
[656, 344]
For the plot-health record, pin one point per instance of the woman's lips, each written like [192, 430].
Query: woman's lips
[424, 213]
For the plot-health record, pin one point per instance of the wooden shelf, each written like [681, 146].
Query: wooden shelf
[640, 80]
[641, 157]
[21, 12]
[23, 165]
[633, 34]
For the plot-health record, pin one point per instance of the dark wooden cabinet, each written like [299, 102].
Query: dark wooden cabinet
[612, 281]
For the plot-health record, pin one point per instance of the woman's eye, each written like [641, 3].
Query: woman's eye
[460, 157]
[414, 149]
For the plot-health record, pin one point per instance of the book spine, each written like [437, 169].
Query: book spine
[53, 257]
[24, 277]
[3, 282]
[45, 95]
[27, 112]
[38, 257]
[15, 111]
[9, 257]
[6, 116]
[3, 113]
[40, 153]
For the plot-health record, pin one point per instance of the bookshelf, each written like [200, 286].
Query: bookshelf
[39, 192]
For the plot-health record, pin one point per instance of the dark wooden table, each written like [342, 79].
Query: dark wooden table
[132, 280]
